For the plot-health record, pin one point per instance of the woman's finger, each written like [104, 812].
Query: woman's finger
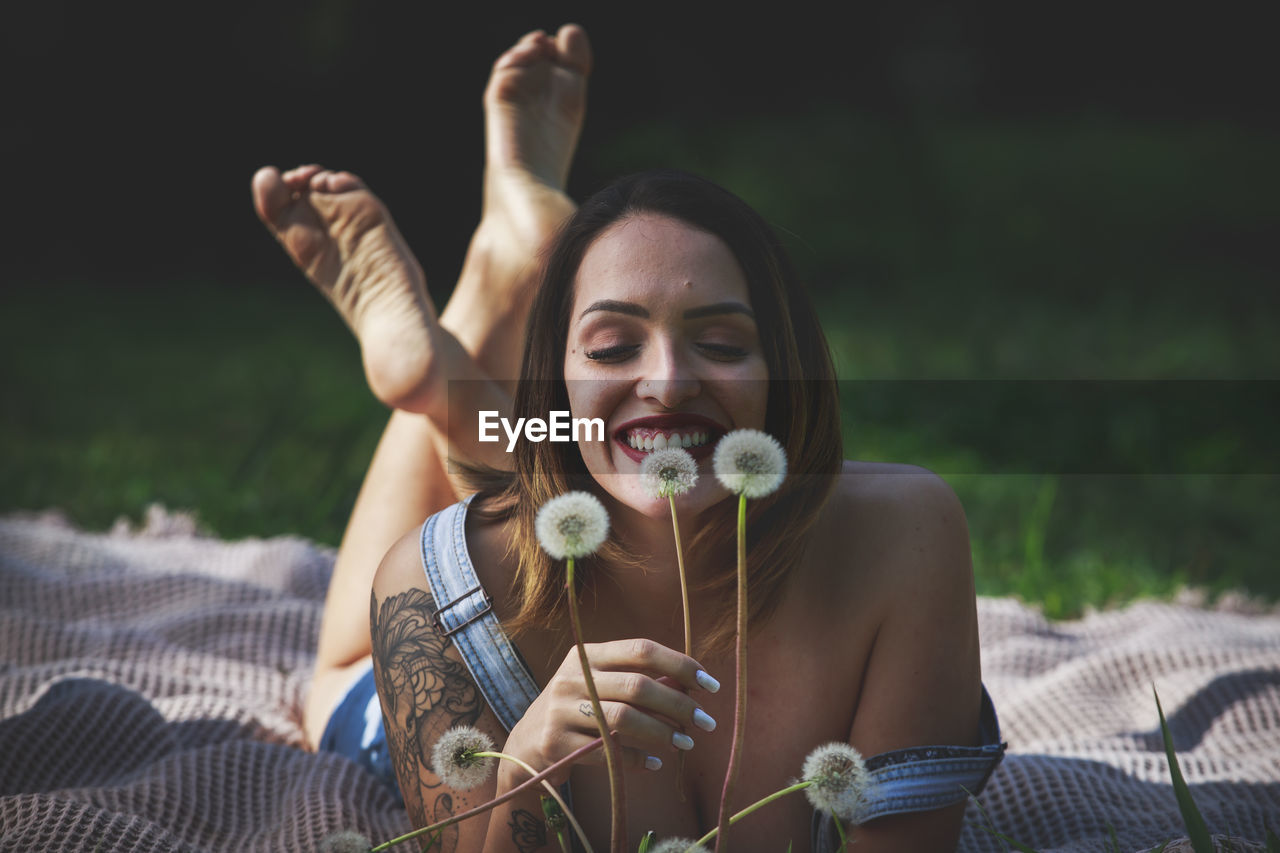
[633, 757]
[636, 729]
[653, 697]
[650, 658]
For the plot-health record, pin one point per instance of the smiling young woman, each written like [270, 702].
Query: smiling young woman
[666, 309]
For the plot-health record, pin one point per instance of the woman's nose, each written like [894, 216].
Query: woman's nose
[668, 380]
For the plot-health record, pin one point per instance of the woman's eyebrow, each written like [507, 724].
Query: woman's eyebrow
[630, 308]
[718, 308]
[634, 310]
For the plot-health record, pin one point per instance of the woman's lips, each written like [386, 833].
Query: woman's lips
[697, 434]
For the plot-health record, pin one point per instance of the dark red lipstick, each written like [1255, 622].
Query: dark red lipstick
[701, 433]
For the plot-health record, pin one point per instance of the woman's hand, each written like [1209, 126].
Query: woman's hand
[642, 687]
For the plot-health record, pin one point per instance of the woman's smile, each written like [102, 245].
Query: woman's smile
[695, 433]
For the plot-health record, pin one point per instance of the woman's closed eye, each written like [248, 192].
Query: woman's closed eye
[610, 354]
[722, 352]
[621, 352]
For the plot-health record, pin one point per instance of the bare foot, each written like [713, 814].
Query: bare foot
[535, 102]
[534, 107]
[343, 238]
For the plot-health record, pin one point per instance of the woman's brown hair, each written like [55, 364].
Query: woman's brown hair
[802, 409]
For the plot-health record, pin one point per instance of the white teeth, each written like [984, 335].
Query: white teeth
[661, 440]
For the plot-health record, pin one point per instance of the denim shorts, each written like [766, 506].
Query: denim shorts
[355, 730]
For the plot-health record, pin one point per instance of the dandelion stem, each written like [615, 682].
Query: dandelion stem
[740, 700]
[550, 789]
[617, 804]
[495, 802]
[688, 626]
[684, 581]
[757, 805]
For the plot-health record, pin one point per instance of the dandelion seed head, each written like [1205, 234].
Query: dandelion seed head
[841, 783]
[574, 524]
[345, 841]
[678, 845]
[455, 761]
[750, 462]
[668, 472]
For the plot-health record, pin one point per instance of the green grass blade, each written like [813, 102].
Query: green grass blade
[1197, 829]
[647, 841]
[1017, 845]
[990, 828]
[1115, 842]
[1273, 842]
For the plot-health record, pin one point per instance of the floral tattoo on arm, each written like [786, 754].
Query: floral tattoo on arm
[423, 692]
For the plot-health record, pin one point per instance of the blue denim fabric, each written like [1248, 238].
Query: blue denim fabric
[909, 780]
[923, 778]
[463, 610]
[355, 730]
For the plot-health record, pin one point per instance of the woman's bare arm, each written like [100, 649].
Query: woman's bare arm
[425, 690]
[923, 681]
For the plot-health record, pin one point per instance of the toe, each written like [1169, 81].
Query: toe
[327, 181]
[574, 48]
[531, 48]
[532, 38]
[341, 182]
[319, 181]
[270, 194]
[298, 177]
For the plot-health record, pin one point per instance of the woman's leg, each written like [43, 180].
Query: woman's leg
[533, 105]
[346, 242]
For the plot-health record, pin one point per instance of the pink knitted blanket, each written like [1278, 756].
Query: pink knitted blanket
[151, 684]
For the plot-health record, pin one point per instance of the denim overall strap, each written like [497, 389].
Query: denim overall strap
[922, 778]
[464, 613]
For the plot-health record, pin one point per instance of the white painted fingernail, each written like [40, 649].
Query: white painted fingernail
[706, 682]
[703, 720]
[653, 762]
[682, 741]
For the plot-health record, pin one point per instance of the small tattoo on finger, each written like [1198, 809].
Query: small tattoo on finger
[584, 708]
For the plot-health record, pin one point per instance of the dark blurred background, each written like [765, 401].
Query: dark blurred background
[979, 191]
[132, 129]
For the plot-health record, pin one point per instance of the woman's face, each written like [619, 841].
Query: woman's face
[663, 348]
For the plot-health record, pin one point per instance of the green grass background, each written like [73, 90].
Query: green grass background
[1069, 249]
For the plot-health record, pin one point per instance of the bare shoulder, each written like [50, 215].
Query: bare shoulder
[894, 488]
[401, 568]
[908, 530]
[903, 516]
